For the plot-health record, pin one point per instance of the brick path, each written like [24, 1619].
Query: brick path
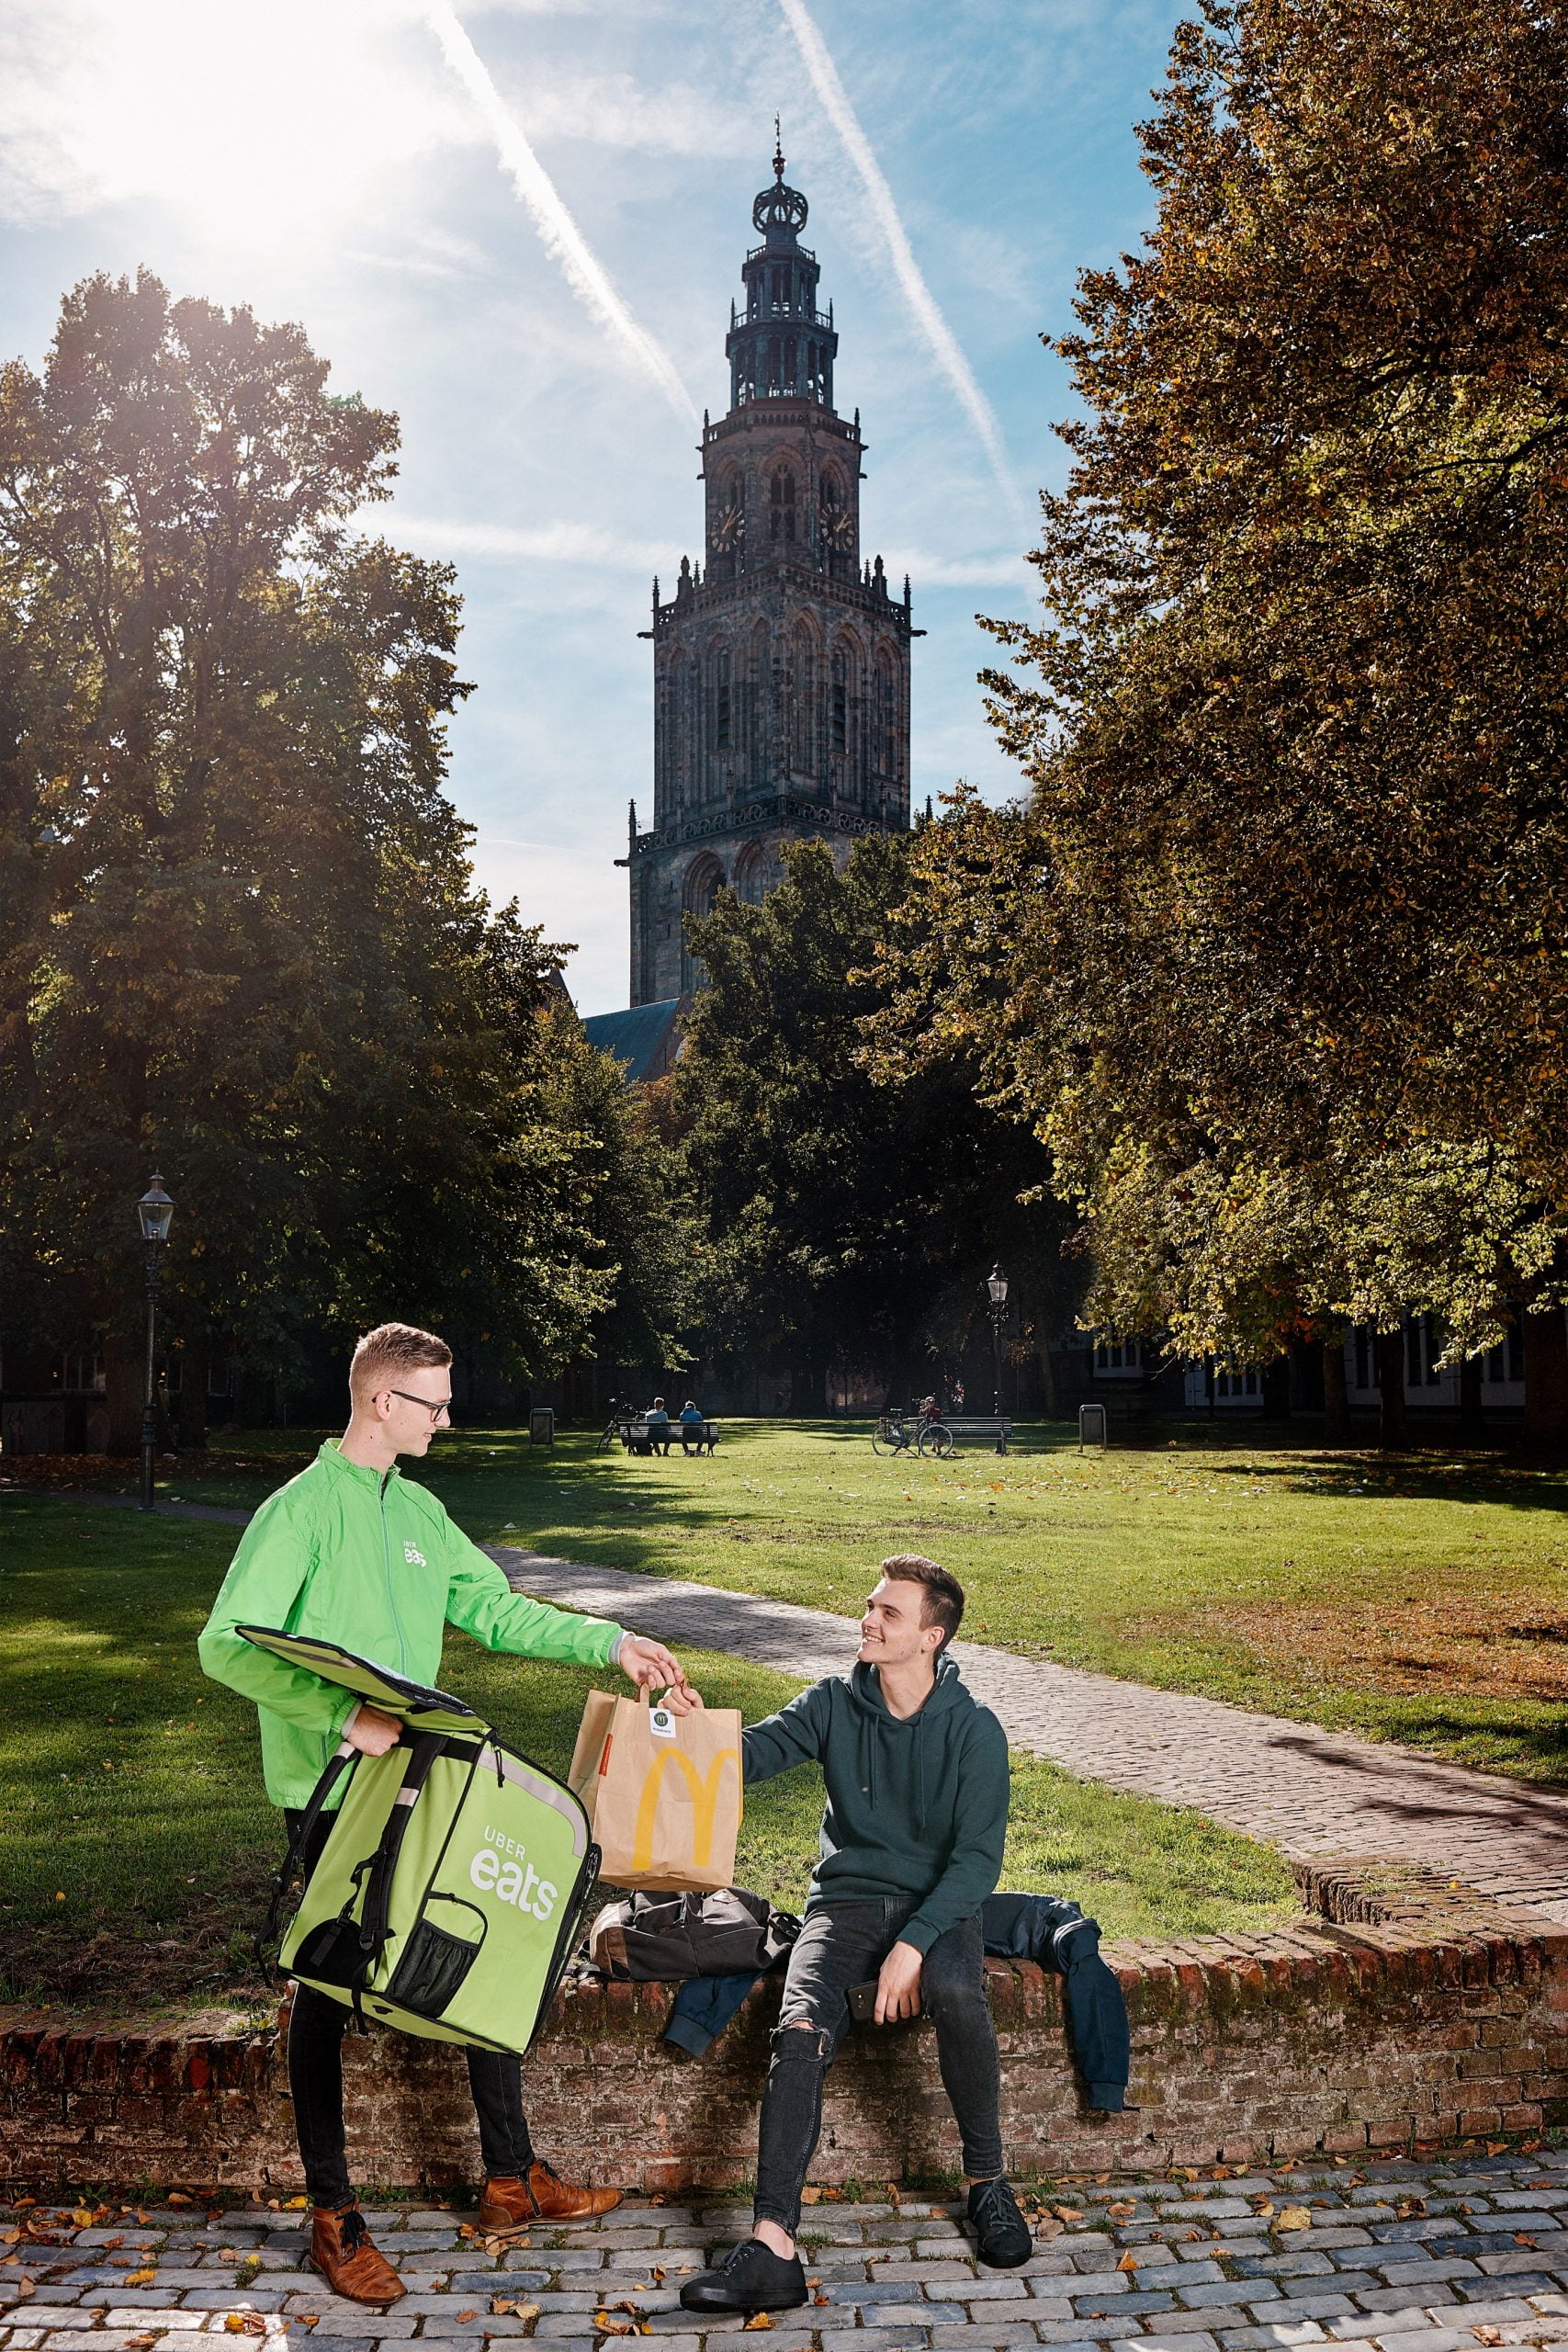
[1306, 1790]
[1441, 2256]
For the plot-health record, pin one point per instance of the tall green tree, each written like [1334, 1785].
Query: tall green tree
[1272, 961]
[847, 1220]
[241, 937]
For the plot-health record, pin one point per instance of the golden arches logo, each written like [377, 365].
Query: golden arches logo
[701, 1788]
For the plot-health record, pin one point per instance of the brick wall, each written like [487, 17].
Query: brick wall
[1396, 2009]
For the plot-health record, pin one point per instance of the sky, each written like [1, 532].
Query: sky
[520, 223]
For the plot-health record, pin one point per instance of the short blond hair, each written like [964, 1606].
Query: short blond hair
[384, 1354]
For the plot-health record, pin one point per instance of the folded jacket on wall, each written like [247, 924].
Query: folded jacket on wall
[1046, 1928]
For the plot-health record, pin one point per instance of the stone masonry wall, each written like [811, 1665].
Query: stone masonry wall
[1398, 2009]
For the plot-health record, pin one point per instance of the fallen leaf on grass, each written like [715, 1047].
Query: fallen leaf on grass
[140, 2278]
[1293, 2216]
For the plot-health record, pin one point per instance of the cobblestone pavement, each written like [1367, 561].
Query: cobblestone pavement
[1307, 1790]
[1436, 2257]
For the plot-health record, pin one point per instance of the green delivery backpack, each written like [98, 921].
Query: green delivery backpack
[453, 1883]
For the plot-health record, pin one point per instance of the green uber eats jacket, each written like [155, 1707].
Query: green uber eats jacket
[368, 1560]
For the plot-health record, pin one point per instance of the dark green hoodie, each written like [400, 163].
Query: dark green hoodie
[916, 1808]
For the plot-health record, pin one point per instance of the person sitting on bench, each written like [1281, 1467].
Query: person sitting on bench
[694, 1423]
[911, 1845]
[658, 1423]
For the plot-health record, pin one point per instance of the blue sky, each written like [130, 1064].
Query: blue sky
[381, 170]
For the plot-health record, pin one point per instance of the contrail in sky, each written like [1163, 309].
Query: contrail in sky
[917, 293]
[558, 232]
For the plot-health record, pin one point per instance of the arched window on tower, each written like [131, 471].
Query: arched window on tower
[705, 880]
[804, 736]
[837, 527]
[780, 507]
[722, 713]
[757, 710]
[885, 705]
[838, 702]
[750, 874]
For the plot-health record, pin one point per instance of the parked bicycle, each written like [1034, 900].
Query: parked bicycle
[911, 1433]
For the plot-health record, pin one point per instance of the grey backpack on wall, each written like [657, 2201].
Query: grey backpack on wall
[662, 1937]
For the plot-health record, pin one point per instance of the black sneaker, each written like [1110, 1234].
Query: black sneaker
[751, 2278]
[1001, 2234]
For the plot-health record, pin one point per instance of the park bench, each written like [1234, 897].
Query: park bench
[972, 1428]
[700, 1436]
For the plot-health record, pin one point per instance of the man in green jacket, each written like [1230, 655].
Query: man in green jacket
[351, 1552]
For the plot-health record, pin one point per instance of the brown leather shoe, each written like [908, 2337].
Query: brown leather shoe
[341, 2251]
[511, 2203]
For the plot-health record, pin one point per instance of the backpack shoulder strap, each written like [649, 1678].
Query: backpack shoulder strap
[283, 1879]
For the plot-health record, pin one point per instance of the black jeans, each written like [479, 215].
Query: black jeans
[316, 2028]
[844, 1944]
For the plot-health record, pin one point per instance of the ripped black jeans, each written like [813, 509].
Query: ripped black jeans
[844, 1944]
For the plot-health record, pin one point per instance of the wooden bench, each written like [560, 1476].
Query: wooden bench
[700, 1437]
[969, 1429]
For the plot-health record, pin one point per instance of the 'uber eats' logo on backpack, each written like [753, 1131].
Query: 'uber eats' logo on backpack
[413, 1556]
[511, 1881]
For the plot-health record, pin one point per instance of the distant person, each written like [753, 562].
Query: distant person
[693, 1421]
[658, 1421]
[958, 1396]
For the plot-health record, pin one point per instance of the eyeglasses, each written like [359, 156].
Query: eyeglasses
[434, 1410]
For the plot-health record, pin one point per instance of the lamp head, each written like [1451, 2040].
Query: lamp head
[157, 1212]
[997, 1283]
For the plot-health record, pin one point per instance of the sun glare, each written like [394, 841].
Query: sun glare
[259, 119]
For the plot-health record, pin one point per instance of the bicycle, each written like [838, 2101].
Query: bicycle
[911, 1433]
[614, 1427]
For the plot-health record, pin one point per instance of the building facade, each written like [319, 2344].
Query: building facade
[781, 662]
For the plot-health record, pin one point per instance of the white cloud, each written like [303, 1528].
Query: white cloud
[558, 232]
[938, 336]
[564, 542]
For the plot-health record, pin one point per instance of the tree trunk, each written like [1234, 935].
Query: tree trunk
[1335, 1394]
[197, 1353]
[1390, 1389]
[1469, 1401]
[125, 1376]
[1546, 1383]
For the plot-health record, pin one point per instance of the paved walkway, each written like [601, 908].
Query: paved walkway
[1306, 1790]
[1401, 2258]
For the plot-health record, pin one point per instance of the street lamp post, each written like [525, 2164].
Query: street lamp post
[997, 1283]
[155, 1213]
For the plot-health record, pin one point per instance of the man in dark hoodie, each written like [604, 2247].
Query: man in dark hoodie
[911, 1846]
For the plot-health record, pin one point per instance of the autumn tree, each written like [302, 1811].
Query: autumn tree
[1273, 960]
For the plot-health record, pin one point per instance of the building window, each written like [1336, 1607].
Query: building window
[749, 877]
[82, 1375]
[882, 716]
[721, 700]
[781, 506]
[1118, 1355]
[840, 715]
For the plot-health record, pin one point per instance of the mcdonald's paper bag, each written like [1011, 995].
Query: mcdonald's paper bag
[661, 1790]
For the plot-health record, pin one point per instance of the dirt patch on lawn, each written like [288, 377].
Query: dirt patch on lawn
[1484, 1646]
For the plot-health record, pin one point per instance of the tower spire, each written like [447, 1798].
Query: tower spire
[778, 151]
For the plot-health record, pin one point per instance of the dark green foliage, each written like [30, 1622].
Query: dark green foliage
[848, 1221]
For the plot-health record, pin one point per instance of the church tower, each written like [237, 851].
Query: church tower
[780, 664]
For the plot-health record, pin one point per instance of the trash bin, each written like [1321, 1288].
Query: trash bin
[1091, 1426]
[542, 1425]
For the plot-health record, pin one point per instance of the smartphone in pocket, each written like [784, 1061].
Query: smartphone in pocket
[863, 2003]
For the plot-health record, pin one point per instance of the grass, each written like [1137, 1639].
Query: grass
[135, 1843]
[1418, 1598]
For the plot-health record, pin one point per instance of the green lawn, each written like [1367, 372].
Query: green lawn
[1423, 1599]
[135, 1841]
